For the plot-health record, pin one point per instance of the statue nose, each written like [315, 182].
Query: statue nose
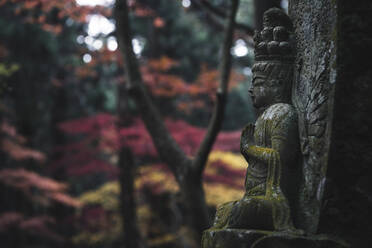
[250, 91]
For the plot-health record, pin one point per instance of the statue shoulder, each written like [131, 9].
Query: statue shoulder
[280, 111]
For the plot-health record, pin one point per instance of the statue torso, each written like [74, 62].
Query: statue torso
[266, 126]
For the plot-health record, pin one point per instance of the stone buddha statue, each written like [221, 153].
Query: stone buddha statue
[271, 145]
[263, 217]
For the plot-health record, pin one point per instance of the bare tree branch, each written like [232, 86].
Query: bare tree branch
[219, 110]
[221, 14]
[168, 149]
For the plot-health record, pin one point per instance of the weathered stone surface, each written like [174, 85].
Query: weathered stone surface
[315, 24]
[332, 92]
[238, 238]
[231, 238]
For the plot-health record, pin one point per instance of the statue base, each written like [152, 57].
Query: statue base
[240, 238]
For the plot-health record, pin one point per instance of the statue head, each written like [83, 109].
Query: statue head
[273, 67]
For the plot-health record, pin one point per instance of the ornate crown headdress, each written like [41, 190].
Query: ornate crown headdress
[274, 42]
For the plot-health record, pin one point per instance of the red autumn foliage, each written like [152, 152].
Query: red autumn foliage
[94, 154]
[9, 219]
[93, 218]
[93, 166]
[88, 125]
[27, 181]
[18, 152]
[36, 226]
[139, 9]
[162, 84]
[13, 144]
[38, 11]
[187, 136]
[164, 63]
[102, 127]
[83, 158]
[11, 131]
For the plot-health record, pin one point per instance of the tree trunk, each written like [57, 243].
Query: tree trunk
[197, 216]
[131, 234]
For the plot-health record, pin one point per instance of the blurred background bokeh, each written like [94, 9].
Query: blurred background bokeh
[60, 71]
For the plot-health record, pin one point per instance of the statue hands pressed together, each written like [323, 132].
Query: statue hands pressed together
[247, 138]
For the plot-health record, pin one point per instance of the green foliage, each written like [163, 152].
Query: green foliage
[8, 70]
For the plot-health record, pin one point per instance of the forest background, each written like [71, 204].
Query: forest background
[61, 71]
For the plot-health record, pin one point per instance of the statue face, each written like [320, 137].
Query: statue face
[261, 92]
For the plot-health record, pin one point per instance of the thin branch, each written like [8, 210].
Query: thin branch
[219, 110]
[221, 14]
[168, 149]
